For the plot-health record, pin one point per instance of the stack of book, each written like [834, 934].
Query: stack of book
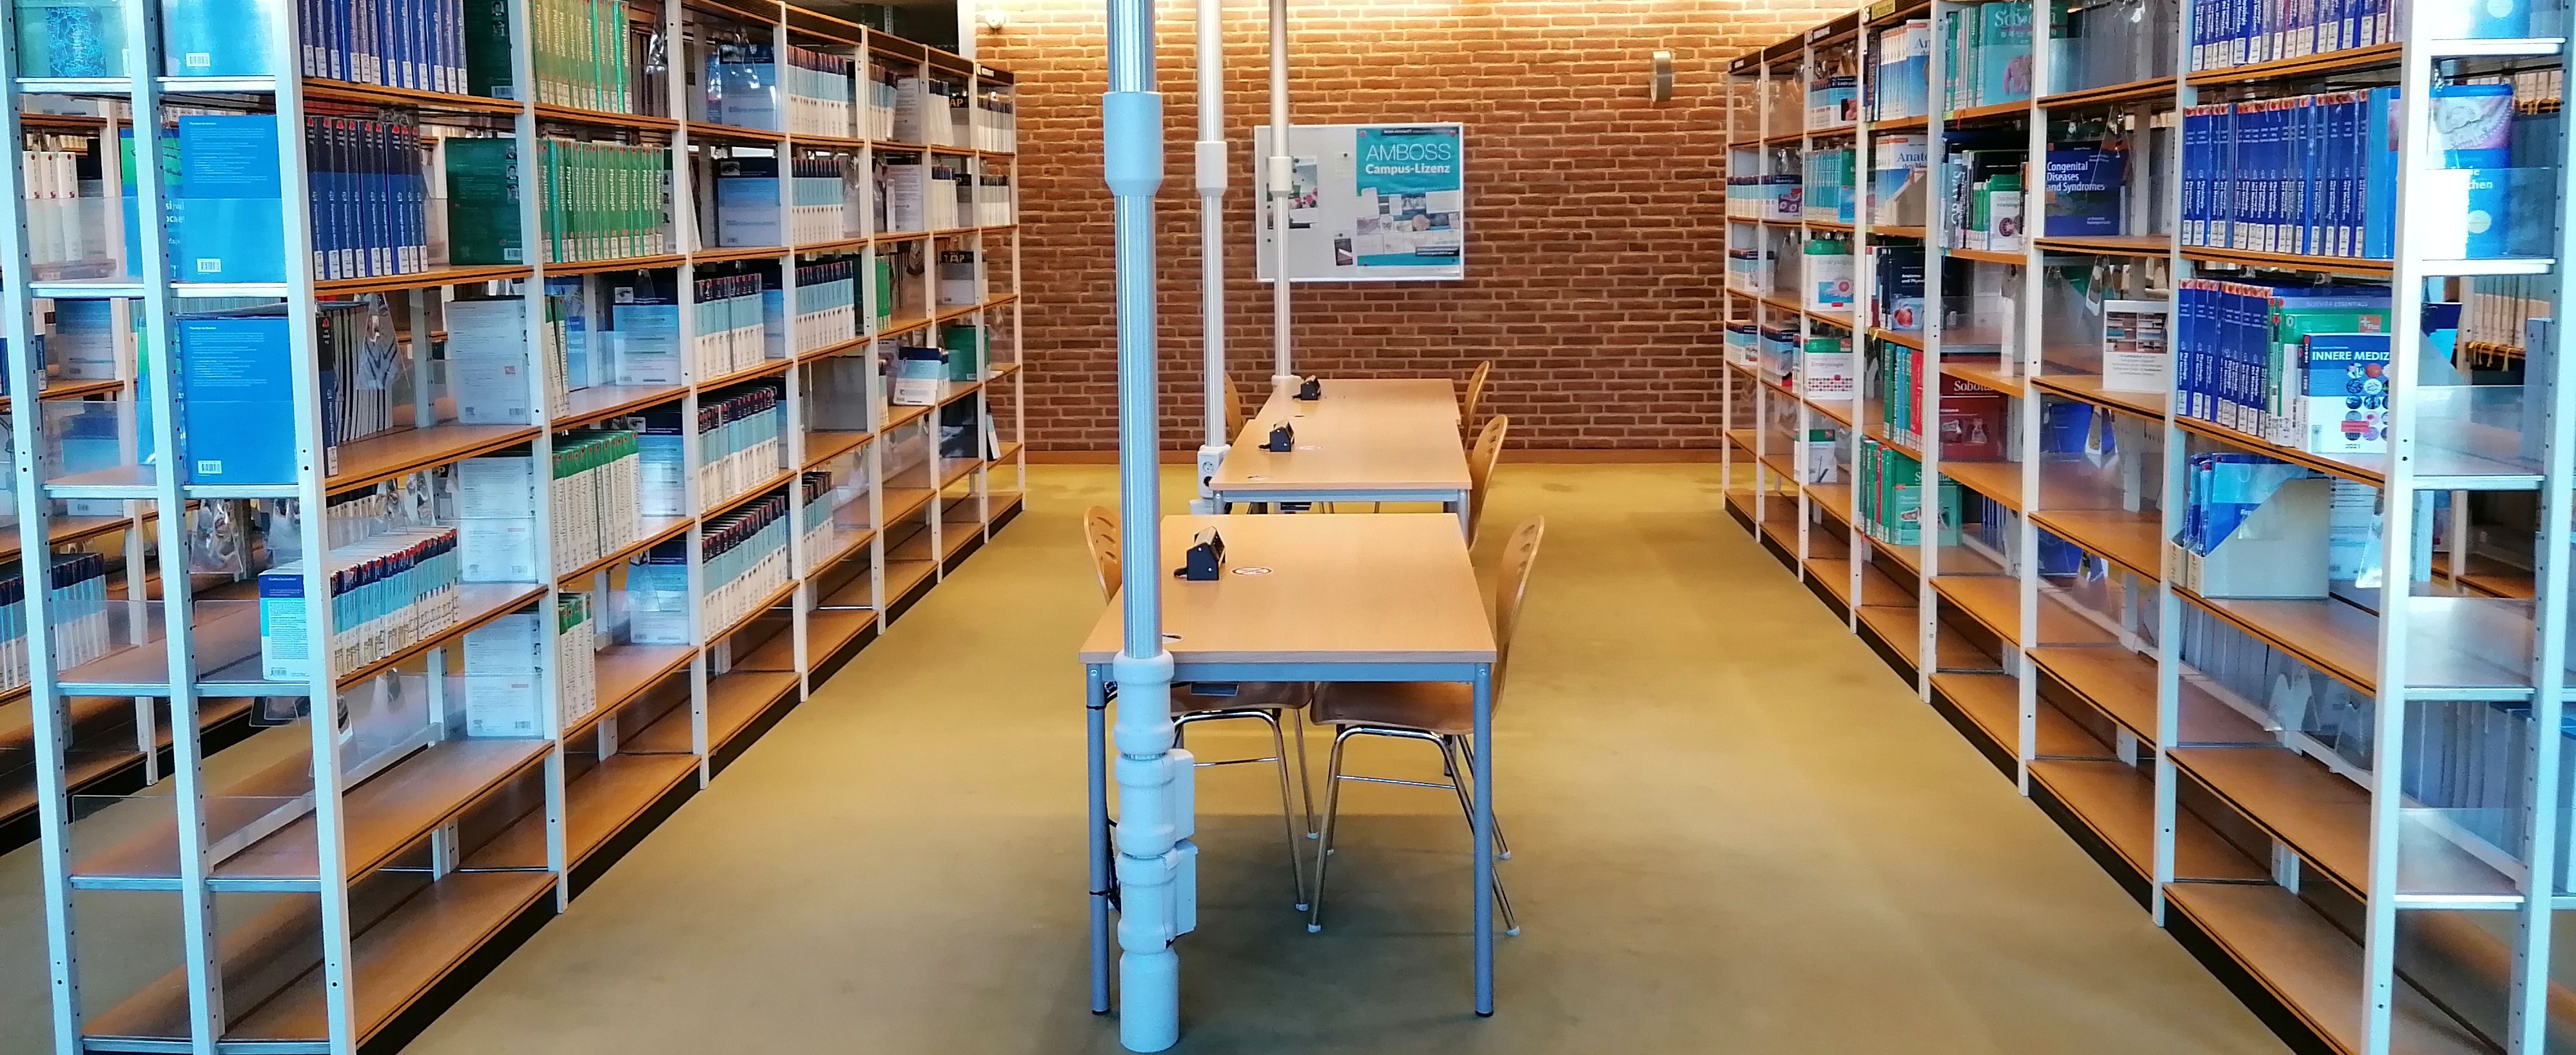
[1888, 498]
[746, 558]
[596, 201]
[1899, 181]
[386, 593]
[1984, 210]
[997, 120]
[1901, 87]
[1826, 190]
[78, 600]
[733, 326]
[993, 198]
[1988, 47]
[944, 200]
[64, 203]
[489, 361]
[1972, 417]
[597, 487]
[884, 92]
[816, 508]
[819, 94]
[584, 52]
[418, 45]
[741, 439]
[370, 197]
[2238, 34]
[2302, 366]
[827, 302]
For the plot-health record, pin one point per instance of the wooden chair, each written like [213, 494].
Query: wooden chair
[1480, 469]
[1442, 713]
[1475, 394]
[1196, 702]
[1234, 415]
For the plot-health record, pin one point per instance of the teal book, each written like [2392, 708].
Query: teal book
[70, 38]
[224, 38]
[228, 219]
[2003, 52]
[483, 201]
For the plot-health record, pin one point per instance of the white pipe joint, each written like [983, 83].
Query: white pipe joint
[1211, 172]
[1283, 174]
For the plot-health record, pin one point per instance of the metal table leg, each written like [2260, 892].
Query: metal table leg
[1483, 846]
[1097, 765]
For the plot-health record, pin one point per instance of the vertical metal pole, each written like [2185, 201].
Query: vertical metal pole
[2169, 656]
[1928, 423]
[1211, 186]
[2527, 1009]
[45, 700]
[1149, 971]
[1282, 186]
[2397, 495]
[1096, 772]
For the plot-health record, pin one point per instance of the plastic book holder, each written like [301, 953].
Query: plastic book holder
[2278, 549]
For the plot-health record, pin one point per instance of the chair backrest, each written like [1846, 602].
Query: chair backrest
[1510, 585]
[1480, 468]
[1475, 393]
[1100, 532]
[1234, 416]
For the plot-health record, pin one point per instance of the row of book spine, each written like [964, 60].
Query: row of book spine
[2242, 32]
[741, 438]
[827, 302]
[370, 197]
[2299, 365]
[77, 607]
[1987, 46]
[1887, 499]
[746, 557]
[385, 594]
[597, 490]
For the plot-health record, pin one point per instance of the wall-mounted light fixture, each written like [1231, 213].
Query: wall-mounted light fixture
[1660, 89]
[995, 16]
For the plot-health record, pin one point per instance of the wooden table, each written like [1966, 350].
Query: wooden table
[1364, 441]
[1374, 598]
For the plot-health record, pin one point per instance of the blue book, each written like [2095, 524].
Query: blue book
[228, 220]
[2084, 191]
[2379, 131]
[224, 38]
[237, 387]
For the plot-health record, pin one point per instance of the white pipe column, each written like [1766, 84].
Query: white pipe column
[1281, 187]
[1211, 186]
[1155, 859]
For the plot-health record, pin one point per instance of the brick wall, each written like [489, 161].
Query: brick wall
[1595, 245]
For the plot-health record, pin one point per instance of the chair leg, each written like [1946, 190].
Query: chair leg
[1288, 812]
[1502, 846]
[1332, 802]
[1467, 806]
[1305, 772]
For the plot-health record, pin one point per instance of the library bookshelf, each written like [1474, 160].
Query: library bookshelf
[741, 331]
[1995, 454]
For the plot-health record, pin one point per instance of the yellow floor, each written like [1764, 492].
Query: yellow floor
[1734, 830]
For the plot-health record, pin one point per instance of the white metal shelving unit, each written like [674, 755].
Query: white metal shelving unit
[2357, 910]
[331, 903]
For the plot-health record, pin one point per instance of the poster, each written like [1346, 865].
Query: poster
[1369, 203]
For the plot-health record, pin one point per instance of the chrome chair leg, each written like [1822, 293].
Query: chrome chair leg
[1305, 773]
[1502, 846]
[1467, 808]
[1332, 803]
[1288, 812]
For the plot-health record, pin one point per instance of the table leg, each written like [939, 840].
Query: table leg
[1466, 521]
[1482, 849]
[1097, 739]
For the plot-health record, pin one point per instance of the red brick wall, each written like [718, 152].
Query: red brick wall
[1595, 248]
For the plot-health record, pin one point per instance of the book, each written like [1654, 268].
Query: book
[2083, 195]
[235, 367]
[70, 38]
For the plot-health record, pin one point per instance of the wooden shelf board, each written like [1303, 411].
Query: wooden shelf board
[2327, 265]
[2000, 481]
[1830, 317]
[590, 405]
[1900, 339]
[736, 698]
[822, 447]
[62, 390]
[2017, 108]
[451, 275]
[62, 531]
[392, 810]
[598, 804]
[2302, 66]
[1876, 588]
[650, 532]
[2088, 388]
[1988, 256]
[952, 470]
[477, 603]
[383, 457]
[602, 265]
[1993, 703]
[1895, 625]
[623, 673]
[2312, 967]
[399, 957]
[547, 112]
[2139, 245]
[1906, 558]
[2431, 462]
[900, 415]
[2343, 641]
[765, 368]
[776, 597]
[727, 505]
[901, 576]
[2122, 685]
[2327, 820]
[1835, 226]
[901, 502]
[2119, 803]
[851, 542]
[2132, 540]
[2151, 88]
[1835, 499]
[1995, 602]
[1989, 376]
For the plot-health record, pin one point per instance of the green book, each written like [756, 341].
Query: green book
[483, 201]
[487, 49]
